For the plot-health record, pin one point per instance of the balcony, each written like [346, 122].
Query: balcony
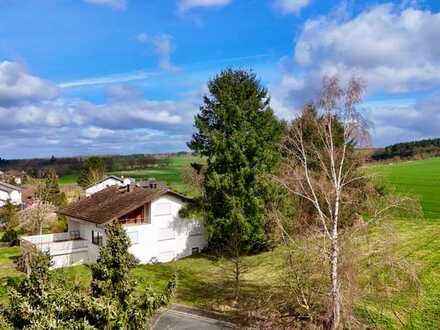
[56, 244]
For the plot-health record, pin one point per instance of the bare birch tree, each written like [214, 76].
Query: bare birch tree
[322, 174]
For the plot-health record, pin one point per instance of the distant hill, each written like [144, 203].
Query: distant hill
[409, 150]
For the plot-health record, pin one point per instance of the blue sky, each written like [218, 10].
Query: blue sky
[127, 76]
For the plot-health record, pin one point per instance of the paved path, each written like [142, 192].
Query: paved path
[173, 319]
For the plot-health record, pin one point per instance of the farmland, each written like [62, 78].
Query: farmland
[421, 179]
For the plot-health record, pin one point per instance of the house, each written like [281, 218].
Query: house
[106, 182]
[150, 215]
[11, 193]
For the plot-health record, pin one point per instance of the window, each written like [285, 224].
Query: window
[97, 237]
[195, 250]
[134, 237]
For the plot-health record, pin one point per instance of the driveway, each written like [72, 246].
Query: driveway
[183, 318]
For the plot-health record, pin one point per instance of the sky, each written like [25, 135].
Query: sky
[82, 77]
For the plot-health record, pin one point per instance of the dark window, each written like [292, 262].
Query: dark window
[74, 234]
[96, 238]
[195, 250]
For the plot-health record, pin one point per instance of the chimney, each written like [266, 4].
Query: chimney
[152, 183]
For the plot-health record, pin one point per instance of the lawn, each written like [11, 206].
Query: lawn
[420, 178]
[7, 269]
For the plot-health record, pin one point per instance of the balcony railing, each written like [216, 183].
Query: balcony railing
[59, 243]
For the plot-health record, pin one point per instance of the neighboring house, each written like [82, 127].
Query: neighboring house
[11, 193]
[106, 182]
[150, 215]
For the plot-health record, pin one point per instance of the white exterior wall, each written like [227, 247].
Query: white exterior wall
[14, 197]
[168, 237]
[85, 228]
[103, 185]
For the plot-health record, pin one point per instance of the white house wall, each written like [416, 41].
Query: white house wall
[14, 197]
[4, 196]
[168, 236]
[85, 228]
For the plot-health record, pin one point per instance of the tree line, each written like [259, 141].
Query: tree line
[409, 150]
[72, 165]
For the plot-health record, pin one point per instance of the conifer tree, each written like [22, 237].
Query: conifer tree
[111, 273]
[238, 134]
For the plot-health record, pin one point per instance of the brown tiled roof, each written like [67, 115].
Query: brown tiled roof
[113, 203]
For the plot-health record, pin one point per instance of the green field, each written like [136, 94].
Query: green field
[68, 179]
[169, 174]
[418, 178]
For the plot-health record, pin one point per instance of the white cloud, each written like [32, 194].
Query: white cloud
[115, 4]
[81, 126]
[291, 6]
[124, 92]
[32, 124]
[18, 86]
[393, 50]
[405, 122]
[186, 5]
[163, 45]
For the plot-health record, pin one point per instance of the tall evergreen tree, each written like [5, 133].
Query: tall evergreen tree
[238, 134]
[92, 171]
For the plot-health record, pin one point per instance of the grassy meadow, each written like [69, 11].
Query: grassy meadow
[419, 178]
[169, 174]
[201, 279]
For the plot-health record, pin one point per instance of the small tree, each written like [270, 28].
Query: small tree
[50, 191]
[113, 283]
[29, 299]
[35, 217]
[8, 215]
[9, 221]
[92, 171]
[111, 273]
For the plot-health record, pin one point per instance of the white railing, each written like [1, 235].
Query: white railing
[55, 243]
